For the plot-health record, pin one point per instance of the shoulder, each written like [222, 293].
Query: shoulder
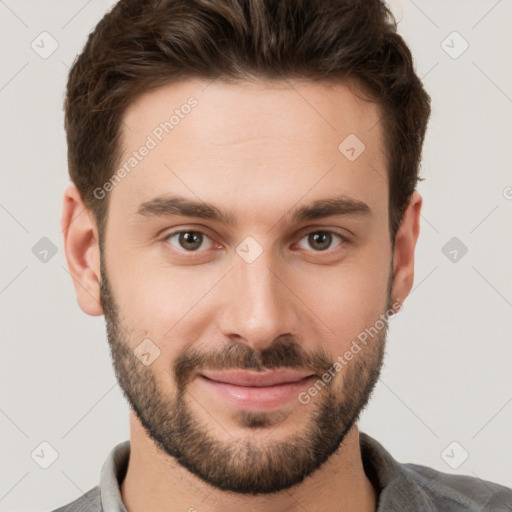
[408, 486]
[458, 492]
[88, 502]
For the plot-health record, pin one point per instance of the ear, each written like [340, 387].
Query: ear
[405, 244]
[82, 251]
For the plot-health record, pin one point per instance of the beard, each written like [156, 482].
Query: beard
[247, 464]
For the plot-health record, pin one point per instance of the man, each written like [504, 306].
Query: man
[244, 214]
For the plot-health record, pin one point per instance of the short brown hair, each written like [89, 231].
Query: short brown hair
[143, 44]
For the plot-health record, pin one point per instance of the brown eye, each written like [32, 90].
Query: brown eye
[322, 240]
[190, 240]
[187, 240]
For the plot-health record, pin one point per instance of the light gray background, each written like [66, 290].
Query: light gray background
[448, 366]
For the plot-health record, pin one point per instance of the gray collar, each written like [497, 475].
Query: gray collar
[112, 474]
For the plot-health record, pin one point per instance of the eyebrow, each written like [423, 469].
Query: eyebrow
[178, 205]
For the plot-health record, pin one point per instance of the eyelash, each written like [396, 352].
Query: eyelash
[343, 239]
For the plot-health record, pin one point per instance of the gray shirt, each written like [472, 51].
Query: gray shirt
[401, 487]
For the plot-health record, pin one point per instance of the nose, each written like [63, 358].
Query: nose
[258, 305]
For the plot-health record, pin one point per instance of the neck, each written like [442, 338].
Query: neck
[156, 482]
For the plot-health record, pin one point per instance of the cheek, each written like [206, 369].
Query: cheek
[162, 303]
[349, 297]
[348, 304]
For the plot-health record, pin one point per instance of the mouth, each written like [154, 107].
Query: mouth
[256, 379]
[256, 391]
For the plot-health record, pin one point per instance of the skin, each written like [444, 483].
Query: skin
[276, 146]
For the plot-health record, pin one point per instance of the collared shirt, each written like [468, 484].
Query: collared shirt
[400, 487]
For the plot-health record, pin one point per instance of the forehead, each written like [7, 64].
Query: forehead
[221, 110]
[250, 144]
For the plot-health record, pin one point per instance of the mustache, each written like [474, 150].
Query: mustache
[284, 352]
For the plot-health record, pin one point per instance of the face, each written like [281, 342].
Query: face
[246, 252]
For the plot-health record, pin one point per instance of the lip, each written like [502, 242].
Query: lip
[256, 379]
[255, 391]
